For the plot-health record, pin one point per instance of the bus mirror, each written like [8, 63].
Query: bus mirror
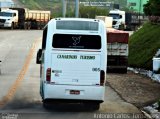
[120, 16]
[39, 54]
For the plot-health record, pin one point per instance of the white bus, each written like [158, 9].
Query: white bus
[73, 61]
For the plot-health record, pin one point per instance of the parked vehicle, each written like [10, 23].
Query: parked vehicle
[156, 62]
[107, 20]
[118, 18]
[73, 61]
[117, 47]
[117, 50]
[127, 20]
[23, 18]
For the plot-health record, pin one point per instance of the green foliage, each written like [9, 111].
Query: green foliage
[53, 5]
[143, 45]
[126, 9]
[147, 9]
[91, 12]
[152, 7]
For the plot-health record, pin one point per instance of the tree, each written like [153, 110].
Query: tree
[147, 9]
[152, 7]
[91, 12]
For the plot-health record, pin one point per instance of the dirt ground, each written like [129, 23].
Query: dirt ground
[134, 88]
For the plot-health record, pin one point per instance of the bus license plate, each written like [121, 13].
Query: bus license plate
[74, 92]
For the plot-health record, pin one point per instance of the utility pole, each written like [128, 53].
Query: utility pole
[76, 8]
[64, 8]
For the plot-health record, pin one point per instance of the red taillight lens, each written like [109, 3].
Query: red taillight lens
[102, 78]
[48, 75]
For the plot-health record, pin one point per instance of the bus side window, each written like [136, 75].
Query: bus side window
[44, 38]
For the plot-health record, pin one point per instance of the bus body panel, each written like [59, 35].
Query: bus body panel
[74, 69]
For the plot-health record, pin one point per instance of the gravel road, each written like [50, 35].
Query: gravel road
[134, 88]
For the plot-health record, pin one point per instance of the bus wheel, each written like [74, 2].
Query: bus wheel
[96, 106]
[92, 106]
[45, 104]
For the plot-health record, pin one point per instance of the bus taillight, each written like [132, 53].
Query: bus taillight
[48, 75]
[102, 78]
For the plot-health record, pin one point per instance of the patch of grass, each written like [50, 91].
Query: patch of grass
[53, 5]
[143, 45]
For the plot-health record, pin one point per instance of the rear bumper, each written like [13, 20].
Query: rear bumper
[117, 62]
[116, 67]
[62, 93]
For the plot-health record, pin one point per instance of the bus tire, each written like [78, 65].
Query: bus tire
[45, 104]
[96, 106]
[92, 106]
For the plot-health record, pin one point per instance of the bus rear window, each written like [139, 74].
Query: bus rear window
[76, 41]
[77, 25]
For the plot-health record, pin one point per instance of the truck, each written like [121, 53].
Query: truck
[23, 18]
[117, 47]
[117, 50]
[127, 20]
[107, 20]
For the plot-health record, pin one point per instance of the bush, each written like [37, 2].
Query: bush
[154, 19]
[91, 12]
[143, 45]
[152, 9]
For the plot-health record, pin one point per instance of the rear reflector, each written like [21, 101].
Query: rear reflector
[102, 78]
[48, 75]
